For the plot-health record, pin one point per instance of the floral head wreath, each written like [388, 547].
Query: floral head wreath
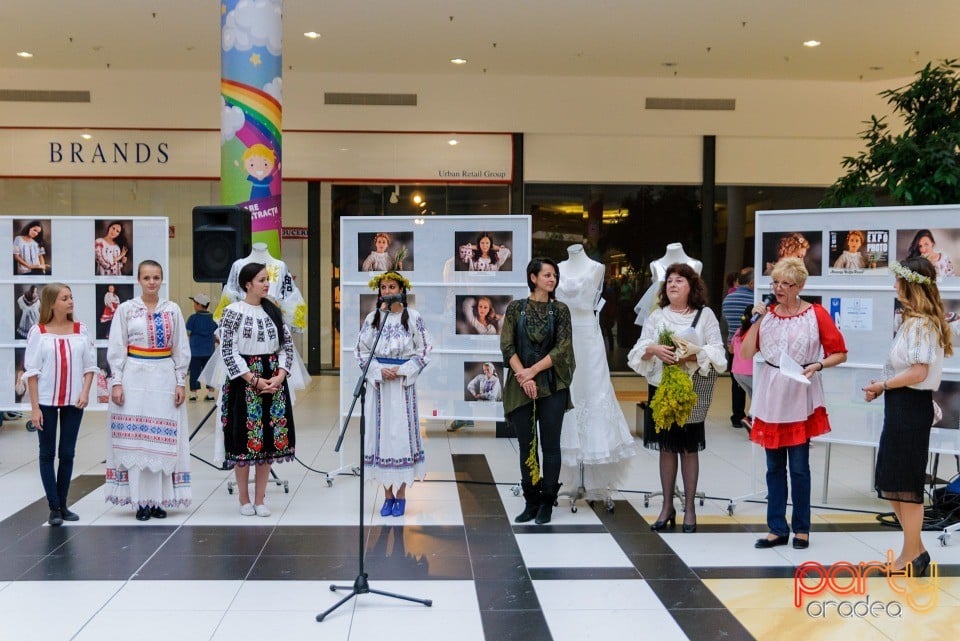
[374, 283]
[908, 274]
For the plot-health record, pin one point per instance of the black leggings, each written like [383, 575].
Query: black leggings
[550, 410]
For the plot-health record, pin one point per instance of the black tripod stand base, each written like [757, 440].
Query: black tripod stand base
[361, 586]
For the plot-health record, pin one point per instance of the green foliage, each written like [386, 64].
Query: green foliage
[920, 166]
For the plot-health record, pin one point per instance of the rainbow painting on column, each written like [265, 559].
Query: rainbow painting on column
[251, 113]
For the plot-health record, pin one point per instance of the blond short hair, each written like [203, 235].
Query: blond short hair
[791, 269]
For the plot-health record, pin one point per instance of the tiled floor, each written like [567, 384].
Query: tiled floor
[209, 573]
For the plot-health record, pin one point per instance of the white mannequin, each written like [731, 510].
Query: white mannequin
[658, 271]
[582, 268]
[675, 254]
[283, 290]
[596, 434]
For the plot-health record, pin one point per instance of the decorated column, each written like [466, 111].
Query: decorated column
[251, 70]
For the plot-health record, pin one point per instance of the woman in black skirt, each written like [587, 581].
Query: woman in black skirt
[256, 413]
[683, 311]
[910, 376]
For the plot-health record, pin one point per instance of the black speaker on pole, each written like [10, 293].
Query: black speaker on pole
[221, 235]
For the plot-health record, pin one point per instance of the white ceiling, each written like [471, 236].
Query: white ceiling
[759, 39]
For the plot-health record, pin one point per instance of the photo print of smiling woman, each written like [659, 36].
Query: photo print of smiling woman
[385, 251]
[113, 248]
[31, 247]
[483, 251]
[939, 246]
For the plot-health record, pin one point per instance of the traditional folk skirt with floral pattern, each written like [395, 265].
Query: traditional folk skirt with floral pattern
[257, 428]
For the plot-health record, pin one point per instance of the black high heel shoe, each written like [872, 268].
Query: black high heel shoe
[690, 528]
[662, 525]
[921, 564]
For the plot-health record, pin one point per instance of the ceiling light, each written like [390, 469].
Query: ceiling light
[452, 142]
[811, 43]
[24, 54]
[313, 35]
[458, 61]
[395, 196]
[417, 198]
[86, 136]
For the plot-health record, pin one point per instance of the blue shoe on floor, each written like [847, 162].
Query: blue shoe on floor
[388, 507]
[399, 507]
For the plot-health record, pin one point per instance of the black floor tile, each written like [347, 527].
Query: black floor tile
[13, 567]
[635, 543]
[41, 541]
[767, 572]
[485, 526]
[72, 566]
[661, 566]
[197, 568]
[504, 568]
[711, 625]
[472, 467]
[304, 568]
[515, 625]
[417, 540]
[422, 567]
[624, 518]
[118, 540]
[489, 507]
[684, 594]
[582, 574]
[555, 528]
[506, 595]
[226, 542]
[493, 545]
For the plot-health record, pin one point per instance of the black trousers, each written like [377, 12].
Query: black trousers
[549, 415]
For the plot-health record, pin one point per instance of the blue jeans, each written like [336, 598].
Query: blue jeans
[56, 486]
[798, 457]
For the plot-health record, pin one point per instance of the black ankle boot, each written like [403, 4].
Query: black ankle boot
[531, 494]
[548, 498]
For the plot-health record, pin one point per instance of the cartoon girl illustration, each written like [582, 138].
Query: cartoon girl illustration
[259, 162]
[378, 260]
[29, 250]
[111, 250]
[852, 256]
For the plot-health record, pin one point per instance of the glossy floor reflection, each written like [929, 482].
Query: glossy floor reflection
[209, 573]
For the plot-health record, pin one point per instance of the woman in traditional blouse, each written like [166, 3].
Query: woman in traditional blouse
[29, 250]
[393, 450]
[110, 304]
[111, 251]
[29, 304]
[487, 257]
[924, 245]
[537, 344]
[255, 407]
[59, 365]
[788, 413]
[486, 386]
[148, 458]
[910, 376]
[683, 309]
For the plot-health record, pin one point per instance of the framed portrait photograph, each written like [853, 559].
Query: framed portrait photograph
[19, 385]
[858, 251]
[101, 380]
[108, 299]
[483, 381]
[385, 251]
[483, 251]
[805, 245]
[26, 308]
[938, 245]
[113, 248]
[32, 247]
[481, 314]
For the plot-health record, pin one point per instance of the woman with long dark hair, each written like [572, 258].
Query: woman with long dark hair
[393, 450]
[29, 250]
[923, 245]
[910, 376]
[111, 250]
[255, 407]
[488, 257]
[537, 345]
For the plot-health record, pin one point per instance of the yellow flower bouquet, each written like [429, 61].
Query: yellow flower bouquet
[675, 398]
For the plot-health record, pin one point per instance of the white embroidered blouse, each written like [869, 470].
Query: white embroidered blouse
[59, 361]
[247, 330]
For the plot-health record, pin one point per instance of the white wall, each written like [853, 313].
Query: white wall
[815, 121]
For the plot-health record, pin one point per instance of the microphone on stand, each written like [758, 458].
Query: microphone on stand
[767, 300]
[391, 299]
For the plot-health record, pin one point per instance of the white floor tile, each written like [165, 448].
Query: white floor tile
[288, 625]
[151, 625]
[596, 595]
[571, 551]
[594, 625]
[415, 623]
[36, 596]
[174, 595]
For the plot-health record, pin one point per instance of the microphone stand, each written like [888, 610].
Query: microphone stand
[360, 584]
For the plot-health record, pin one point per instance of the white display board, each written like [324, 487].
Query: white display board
[70, 256]
[436, 253]
[857, 290]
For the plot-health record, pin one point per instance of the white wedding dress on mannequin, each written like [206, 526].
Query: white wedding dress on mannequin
[595, 433]
[658, 270]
